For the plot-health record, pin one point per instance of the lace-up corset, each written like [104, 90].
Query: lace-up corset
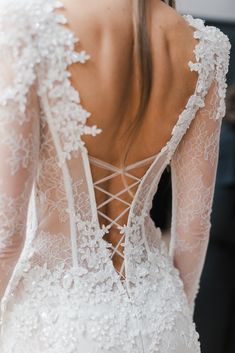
[132, 183]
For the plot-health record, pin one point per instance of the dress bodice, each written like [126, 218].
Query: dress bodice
[47, 193]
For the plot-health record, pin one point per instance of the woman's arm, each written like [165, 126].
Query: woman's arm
[19, 142]
[194, 167]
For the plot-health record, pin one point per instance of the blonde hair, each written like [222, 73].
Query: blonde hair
[143, 48]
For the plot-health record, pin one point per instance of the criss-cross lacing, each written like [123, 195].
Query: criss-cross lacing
[115, 172]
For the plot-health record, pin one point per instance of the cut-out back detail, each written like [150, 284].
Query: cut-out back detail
[117, 246]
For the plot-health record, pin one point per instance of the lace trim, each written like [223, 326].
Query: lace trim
[54, 76]
[211, 54]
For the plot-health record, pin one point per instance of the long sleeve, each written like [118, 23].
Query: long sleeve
[194, 167]
[19, 141]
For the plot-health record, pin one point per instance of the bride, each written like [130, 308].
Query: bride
[97, 98]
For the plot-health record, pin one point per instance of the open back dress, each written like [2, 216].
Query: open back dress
[60, 292]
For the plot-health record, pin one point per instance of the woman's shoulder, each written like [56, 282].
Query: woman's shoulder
[185, 32]
[210, 34]
[25, 15]
[177, 25]
[24, 41]
[212, 52]
[208, 46]
[198, 54]
[18, 22]
[17, 12]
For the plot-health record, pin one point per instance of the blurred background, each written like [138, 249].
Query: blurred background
[215, 305]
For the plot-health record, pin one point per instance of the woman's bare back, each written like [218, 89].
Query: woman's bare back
[108, 85]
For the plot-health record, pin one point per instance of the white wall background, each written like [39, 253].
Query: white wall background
[211, 9]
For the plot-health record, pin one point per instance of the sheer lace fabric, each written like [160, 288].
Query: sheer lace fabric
[63, 292]
[19, 136]
[194, 167]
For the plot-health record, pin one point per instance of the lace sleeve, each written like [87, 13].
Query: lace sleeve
[19, 136]
[194, 167]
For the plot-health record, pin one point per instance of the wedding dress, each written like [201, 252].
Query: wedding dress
[61, 292]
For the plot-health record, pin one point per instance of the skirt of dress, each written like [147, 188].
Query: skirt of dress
[59, 311]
